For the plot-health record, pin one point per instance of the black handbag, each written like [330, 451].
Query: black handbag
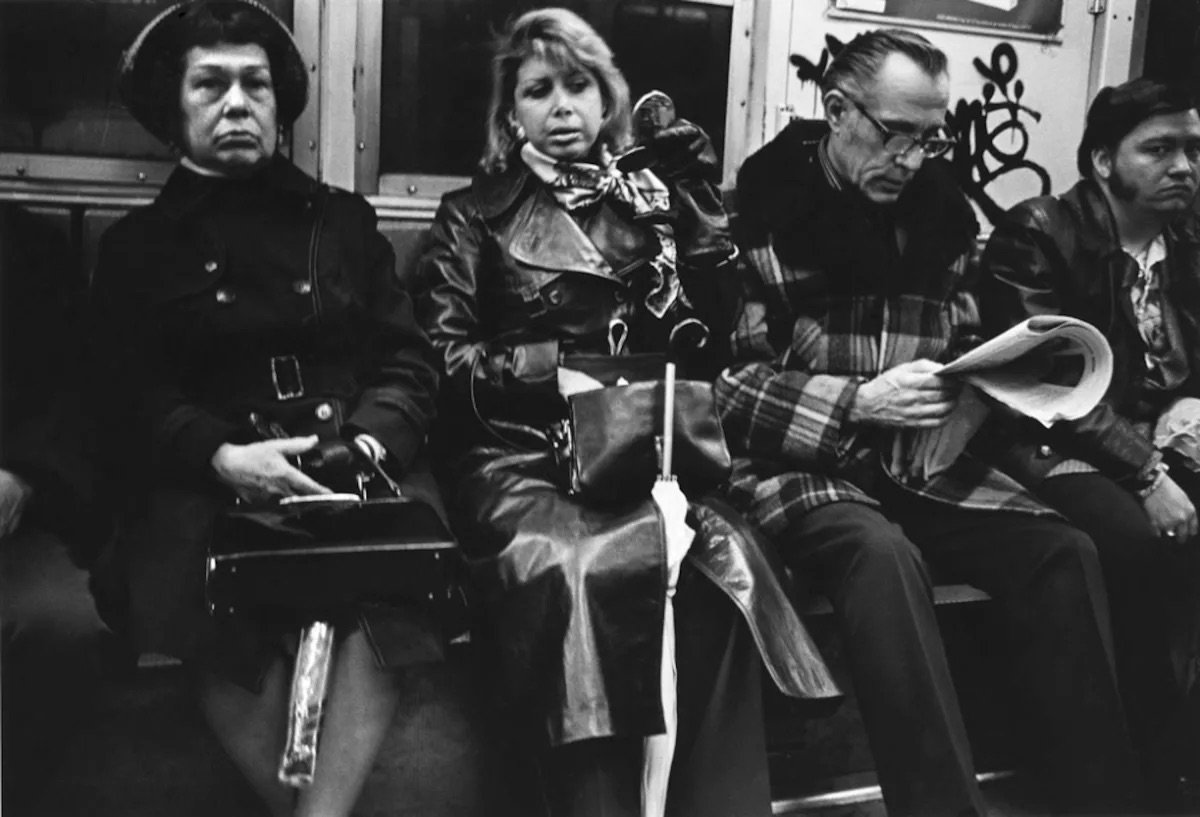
[319, 555]
[607, 445]
[314, 554]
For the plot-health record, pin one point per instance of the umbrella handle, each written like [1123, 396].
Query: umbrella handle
[310, 681]
[668, 436]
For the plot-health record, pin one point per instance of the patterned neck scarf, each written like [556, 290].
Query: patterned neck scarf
[576, 185]
[1146, 293]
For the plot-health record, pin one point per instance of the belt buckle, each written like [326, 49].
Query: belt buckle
[289, 367]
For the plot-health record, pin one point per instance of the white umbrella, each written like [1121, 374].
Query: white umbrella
[659, 750]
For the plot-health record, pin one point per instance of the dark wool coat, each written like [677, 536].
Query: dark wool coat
[194, 295]
[43, 431]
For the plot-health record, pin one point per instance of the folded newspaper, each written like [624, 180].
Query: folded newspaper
[1049, 367]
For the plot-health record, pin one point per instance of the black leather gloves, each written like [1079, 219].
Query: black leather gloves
[336, 464]
[682, 150]
[678, 149]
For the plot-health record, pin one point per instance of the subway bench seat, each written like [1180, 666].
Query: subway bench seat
[450, 752]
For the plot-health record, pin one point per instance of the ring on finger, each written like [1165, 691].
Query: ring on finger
[1170, 534]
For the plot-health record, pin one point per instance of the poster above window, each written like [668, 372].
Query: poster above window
[1022, 19]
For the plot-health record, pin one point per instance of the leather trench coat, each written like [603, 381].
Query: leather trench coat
[1061, 255]
[211, 305]
[575, 594]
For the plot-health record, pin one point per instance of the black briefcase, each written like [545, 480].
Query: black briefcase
[323, 553]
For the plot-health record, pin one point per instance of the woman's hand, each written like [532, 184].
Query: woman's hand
[1170, 511]
[906, 396]
[260, 472]
[683, 150]
[573, 381]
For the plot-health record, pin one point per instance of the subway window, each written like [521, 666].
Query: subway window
[58, 76]
[434, 70]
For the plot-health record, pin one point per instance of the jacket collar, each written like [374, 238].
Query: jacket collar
[784, 185]
[185, 189]
[1098, 232]
[542, 234]
[496, 193]
[1186, 229]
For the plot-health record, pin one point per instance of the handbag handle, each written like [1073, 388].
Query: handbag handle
[378, 471]
[492, 426]
[275, 431]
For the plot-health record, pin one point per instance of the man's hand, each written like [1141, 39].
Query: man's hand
[905, 396]
[1170, 511]
[260, 472]
[15, 495]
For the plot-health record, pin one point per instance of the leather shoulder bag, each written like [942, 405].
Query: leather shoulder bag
[606, 446]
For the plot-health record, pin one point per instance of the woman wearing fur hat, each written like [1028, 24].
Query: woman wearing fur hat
[249, 301]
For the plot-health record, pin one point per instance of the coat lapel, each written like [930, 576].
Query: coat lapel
[1182, 293]
[1102, 251]
[546, 237]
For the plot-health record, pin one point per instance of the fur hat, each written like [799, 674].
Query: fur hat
[150, 71]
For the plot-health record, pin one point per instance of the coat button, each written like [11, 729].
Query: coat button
[554, 297]
[226, 296]
[324, 412]
[620, 297]
[302, 287]
[210, 266]
[1044, 451]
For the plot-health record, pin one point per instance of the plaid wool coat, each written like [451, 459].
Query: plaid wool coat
[831, 301]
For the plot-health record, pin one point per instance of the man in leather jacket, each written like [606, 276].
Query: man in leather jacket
[1121, 250]
[856, 244]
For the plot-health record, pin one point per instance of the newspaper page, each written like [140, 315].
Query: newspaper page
[1048, 367]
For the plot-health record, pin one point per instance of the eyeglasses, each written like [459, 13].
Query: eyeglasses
[899, 144]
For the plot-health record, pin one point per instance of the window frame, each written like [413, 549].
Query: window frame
[416, 194]
[23, 173]
[336, 137]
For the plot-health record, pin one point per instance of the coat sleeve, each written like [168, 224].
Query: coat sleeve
[144, 405]
[398, 403]
[452, 270]
[43, 431]
[1021, 266]
[708, 269]
[770, 408]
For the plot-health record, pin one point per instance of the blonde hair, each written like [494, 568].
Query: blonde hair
[564, 40]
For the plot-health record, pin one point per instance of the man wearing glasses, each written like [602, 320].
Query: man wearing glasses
[856, 255]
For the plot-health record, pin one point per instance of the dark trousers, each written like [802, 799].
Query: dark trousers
[1152, 585]
[55, 653]
[1046, 580]
[720, 765]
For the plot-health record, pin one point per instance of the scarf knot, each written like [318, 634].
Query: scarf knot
[576, 185]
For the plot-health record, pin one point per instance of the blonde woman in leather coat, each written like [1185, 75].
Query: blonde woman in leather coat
[557, 249]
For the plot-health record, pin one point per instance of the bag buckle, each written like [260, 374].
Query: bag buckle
[285, 376]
